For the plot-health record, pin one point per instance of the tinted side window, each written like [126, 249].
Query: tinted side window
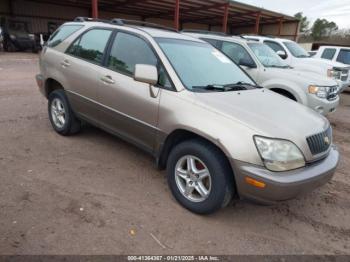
[213, 42]
[62, 33]
[91, 45]
[275, 46]
[128, 51]
[344, 56]
[236, 52]
[328, 53]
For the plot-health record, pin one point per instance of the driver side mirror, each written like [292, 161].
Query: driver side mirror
[282, 54]
[146, 74]
[247, 62]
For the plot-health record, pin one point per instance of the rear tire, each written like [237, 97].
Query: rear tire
[198, 195]
[61, 115]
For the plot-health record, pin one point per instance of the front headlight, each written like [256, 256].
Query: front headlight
[335, 74]
[13, 37]
[319, 91]
[278, 154]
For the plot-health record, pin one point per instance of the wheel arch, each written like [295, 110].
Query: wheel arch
[178, 136]
[51, 85]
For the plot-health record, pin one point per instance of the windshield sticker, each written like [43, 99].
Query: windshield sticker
[221, 57]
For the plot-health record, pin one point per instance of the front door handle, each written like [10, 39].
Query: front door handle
[107, 80]
[65, 63]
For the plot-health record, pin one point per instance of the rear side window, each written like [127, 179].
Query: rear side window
[328, 53]
[275, 46]
[128, 51]
[62, 33]
[236, 52]
[213, 42]
[344, 56]
[91, 45]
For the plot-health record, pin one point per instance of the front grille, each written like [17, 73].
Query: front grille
[332, 93]
[320, 142]
[344, 75]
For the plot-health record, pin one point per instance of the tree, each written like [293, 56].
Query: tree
[322, 28]
[304, 23]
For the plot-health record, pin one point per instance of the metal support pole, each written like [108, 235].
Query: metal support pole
[94, 8]
[280, 26]
[225, 18]
[296, 31]
[257, 23]
[177, 15]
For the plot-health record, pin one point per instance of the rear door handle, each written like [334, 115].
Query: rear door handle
[107, 80]
[65, 63]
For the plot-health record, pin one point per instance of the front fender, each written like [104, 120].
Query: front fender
[235, 139]
[292, 87]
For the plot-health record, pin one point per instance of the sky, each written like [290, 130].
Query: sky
[333, 10]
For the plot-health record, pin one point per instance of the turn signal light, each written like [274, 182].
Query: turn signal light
[254, 182]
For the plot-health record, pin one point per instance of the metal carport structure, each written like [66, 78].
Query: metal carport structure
[216, 15]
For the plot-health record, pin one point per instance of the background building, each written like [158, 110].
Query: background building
[43, 16]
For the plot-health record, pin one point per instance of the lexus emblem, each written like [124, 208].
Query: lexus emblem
[326, 140]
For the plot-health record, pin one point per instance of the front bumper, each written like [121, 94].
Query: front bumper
[323, 106]
[283, 185]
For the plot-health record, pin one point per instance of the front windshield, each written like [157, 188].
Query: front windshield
[199, 64]
[266, 55]
[296, 49]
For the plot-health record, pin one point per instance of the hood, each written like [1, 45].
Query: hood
[320, 61]
[266, 113]
[300, 76]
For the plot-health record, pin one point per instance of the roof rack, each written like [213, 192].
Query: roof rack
[89, 19]
[124, 22]
[204, 32]
[118, 21]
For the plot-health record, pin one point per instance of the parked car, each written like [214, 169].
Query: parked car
[16, 37]
[200, 115]
[297, 57]
[339, 54]
[270, 71]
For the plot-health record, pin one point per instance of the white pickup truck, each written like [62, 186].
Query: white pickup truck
[295, 56]
[270, 71]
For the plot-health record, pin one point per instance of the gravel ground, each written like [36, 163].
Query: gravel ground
[95, 194]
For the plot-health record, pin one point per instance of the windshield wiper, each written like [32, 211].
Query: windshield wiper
[240, 86]
[211, 87]
[303, 56]
[279, 66]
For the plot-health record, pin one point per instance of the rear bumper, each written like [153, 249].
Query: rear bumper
[283, 185]
[343, 85]
[41, 84]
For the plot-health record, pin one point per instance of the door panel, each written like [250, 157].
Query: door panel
[81, 63]
[83, 84]
[127, 107]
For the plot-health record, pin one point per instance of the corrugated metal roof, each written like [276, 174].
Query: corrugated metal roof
[191, 11]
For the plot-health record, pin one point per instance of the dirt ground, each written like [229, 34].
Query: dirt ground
[95, 194]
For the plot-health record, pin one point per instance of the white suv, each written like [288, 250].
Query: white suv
[297, 57]
[270, 71]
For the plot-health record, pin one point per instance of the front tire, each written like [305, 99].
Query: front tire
[61, 115]
[200, 177]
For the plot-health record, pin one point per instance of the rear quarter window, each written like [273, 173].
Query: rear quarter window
[62, 33]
